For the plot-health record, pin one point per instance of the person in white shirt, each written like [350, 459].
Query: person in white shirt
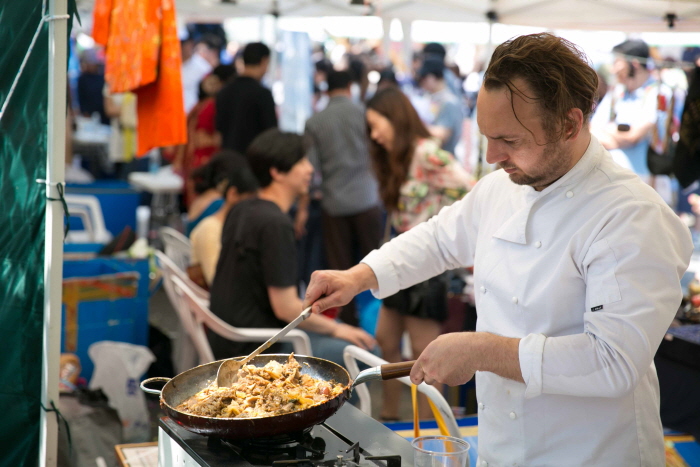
[577, 267]
[194, 68]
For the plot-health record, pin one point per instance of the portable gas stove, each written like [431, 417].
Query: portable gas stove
[348, 438]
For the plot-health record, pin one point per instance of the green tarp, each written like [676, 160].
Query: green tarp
[23, 139]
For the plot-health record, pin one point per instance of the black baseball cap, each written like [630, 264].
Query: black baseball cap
[633, 48]
[432, 66]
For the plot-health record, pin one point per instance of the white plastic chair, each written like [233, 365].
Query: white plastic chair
[202, 316]
[184, 354]
[177, 246]
[169, 268]
[88, 209]
[352, 354]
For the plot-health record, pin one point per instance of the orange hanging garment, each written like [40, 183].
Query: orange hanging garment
[161, 110]
[133, 42]
[143, 56]
[101, 13]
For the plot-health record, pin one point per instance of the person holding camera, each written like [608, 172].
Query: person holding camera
[626, 116]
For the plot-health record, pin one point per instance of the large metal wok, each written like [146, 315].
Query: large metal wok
[190, 382]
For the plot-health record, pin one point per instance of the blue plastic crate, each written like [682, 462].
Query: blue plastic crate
[103, 299]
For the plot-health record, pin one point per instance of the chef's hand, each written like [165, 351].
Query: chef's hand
[329, 289]
[355, 335]
[445, 360]
[453, 358]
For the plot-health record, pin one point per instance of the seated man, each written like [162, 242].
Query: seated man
[255, 285]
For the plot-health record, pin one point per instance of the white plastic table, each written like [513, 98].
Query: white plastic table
[164, 185]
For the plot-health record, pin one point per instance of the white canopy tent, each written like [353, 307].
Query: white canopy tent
[611, 15]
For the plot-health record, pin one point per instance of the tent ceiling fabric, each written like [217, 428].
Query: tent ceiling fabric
[614, 15]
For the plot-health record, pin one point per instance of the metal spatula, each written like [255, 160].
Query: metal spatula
[228, 371]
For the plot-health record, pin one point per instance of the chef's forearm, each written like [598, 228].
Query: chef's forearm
[498, 354]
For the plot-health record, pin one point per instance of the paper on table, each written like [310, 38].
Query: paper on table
[140, 456]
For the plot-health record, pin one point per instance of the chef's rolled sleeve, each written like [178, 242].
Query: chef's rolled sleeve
[530, 352]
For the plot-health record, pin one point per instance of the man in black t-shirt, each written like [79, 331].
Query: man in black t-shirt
[245, 108]
[255, 285]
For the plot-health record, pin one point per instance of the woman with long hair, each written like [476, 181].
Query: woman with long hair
[416, 179]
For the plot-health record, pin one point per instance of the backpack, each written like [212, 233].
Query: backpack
[661, 150]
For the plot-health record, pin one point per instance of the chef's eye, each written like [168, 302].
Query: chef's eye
[509, 141]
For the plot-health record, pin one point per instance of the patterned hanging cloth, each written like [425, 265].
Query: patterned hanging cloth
[143, 56]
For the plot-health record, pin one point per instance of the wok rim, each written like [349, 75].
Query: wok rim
[204, 419]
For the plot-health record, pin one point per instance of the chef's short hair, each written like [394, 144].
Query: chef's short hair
[275, 148]
[557, 71]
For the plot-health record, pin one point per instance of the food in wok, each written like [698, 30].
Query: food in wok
[273, 389]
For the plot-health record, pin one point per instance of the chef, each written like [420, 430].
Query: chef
[577, 267]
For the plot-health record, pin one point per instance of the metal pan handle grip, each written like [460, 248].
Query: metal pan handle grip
[152, 380]
[396, 370]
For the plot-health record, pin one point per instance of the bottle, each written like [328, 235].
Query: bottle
[143, 219]
[153, 161]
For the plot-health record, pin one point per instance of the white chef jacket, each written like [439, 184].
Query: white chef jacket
[587, 272]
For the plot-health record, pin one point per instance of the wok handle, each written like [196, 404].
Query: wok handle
[152, 380]
[396, 370]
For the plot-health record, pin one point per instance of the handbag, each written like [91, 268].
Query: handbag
[661, 164]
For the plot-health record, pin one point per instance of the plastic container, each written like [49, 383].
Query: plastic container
[440, 451]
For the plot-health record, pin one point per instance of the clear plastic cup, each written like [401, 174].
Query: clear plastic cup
[440, 451]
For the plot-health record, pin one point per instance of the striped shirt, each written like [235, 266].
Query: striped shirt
[340, 153]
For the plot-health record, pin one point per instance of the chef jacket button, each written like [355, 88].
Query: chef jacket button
[515, 300]
[484, 464]
[569, 194]
[483, 289]
[512, 415]
[481, 406]
[538, 244]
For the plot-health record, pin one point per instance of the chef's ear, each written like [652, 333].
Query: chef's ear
[573, 125]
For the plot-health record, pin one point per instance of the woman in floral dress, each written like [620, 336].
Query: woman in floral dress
[416, 179]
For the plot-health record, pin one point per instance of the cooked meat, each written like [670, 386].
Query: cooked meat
[273, 389]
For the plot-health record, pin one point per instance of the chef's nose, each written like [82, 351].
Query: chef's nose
[494, 155]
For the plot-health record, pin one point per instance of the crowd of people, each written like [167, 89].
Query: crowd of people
[376, 169]
[571, 219]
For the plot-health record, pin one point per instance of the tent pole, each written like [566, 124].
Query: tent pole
[407, 48]
[53, 241]
[386, 39]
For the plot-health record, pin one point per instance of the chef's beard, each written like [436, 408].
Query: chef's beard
[551, 165]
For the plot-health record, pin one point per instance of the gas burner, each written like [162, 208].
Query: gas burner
[295, 446]
[340, 461]
[349, 438]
